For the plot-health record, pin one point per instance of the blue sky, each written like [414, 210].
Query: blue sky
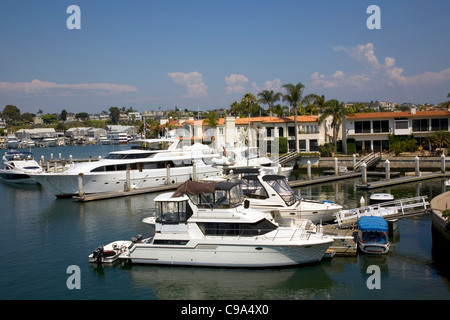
[206, 54]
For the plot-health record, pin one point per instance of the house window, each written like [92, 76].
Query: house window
[291, 131]
[401, 124]
[313, 145]
[362, 127]
[439, 124]
[302, 145]
[380, 126]
[420, 125]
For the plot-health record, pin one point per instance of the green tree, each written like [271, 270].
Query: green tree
[212, 119]
[114, 113]
[82, 116]
[293, 97]
[337, 111]
[63, 115]
[269, 97]
[27, 117]
[11, 113]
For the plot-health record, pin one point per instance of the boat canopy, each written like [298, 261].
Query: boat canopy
[212, 194]
[373, 223]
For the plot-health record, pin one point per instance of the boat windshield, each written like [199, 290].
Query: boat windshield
[282, 187]
[374, 237]
[252, 188]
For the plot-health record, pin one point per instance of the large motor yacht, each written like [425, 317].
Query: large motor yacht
[158, 162]
[17, 167]
[209, 224]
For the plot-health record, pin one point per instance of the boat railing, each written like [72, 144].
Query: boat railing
[266, 234]
[390, 209]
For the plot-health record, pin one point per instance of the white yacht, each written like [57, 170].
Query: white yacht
[17, 167]
[162, 161]
[206, 224]
[272, 193]
[248, 157]
[12, 142]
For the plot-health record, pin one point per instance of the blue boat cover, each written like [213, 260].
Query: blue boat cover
[372, 223]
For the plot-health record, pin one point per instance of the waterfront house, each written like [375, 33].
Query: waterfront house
[263, 131]
[370, 131]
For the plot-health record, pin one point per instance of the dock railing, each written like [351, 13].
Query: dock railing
[392, 209]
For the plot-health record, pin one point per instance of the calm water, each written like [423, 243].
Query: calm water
[42, 236]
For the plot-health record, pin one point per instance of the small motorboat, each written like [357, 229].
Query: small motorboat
[383, 198]
[447, 183]
[373, 235]
[110, 252]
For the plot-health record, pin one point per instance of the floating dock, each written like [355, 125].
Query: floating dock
[118, 194]
[402, 180]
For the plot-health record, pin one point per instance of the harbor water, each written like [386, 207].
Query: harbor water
[44, 239]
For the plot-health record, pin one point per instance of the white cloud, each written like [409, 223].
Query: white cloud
[192, 81]
[274, 85]
[235, 83]
[38, 87]
[376, 75]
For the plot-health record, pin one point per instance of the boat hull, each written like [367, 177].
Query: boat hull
[374, 248]
[258, 254]
[66, 184]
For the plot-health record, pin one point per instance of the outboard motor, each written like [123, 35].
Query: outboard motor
[98, 254]
[136, 238]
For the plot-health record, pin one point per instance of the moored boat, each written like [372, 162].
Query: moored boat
[159, 162]
[272, 193]
[207, 224]
[18, 166]
[373, 235]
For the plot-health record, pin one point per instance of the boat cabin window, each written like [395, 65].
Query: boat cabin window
[172, 212]
[282, 187]
[237, 229]
[252, 188]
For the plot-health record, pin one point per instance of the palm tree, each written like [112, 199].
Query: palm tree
[248, 100]
[269, 97]
[293, 97]
[318, 101]
[337, 111]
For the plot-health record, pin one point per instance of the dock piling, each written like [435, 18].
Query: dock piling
[388, 170]
[308, 169]
[364, 173]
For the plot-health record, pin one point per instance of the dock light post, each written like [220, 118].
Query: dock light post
[354, 162]
[336, 168]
